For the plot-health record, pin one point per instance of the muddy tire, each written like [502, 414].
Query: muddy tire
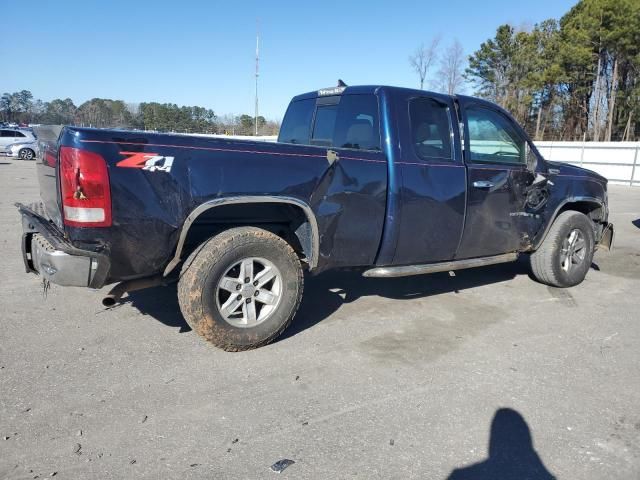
[241, 289]
[565, 256]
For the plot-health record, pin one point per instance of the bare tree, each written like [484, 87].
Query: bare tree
[451, 69]
[133, 108]
[423, 59]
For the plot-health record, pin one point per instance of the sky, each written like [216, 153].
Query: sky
[202, 53]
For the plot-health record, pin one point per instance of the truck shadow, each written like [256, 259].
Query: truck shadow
[327, 292]
[511, 452]
[160, 303]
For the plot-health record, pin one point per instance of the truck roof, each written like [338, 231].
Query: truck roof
[360, 90]
[374, 89]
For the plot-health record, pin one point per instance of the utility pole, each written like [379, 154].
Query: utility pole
[255, 120]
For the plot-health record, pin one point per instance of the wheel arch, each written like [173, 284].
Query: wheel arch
[592, 207]
[306, 234]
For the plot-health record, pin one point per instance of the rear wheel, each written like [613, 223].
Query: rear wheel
[241, 288]
[564, 258]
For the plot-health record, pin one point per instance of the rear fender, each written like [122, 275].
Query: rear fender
[310, 242]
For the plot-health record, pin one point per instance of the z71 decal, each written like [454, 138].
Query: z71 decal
[146, 161]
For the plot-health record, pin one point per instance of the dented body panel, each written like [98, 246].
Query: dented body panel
[573, 185]
[353, 207]
[150, 208]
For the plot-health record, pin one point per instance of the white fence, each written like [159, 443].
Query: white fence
[619, 162]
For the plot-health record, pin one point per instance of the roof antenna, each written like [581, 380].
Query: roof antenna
[341, 83]
[255, 120]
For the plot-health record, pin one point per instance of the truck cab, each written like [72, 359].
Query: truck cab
[463, 179]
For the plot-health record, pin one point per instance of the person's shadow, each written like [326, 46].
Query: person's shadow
[511, 453]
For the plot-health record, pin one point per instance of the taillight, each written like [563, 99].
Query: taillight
[84, 183]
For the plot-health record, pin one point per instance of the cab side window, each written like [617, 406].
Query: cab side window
[493, 138]
[431, 129]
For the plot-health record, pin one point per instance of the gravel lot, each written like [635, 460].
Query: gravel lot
[403, 378]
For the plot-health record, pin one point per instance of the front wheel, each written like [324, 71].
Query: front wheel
[26, 154]
[564, 258]
[241, 289]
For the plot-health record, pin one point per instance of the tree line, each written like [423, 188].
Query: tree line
[569, 79]
[21, 107]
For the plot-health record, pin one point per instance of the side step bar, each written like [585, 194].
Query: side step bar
[407, 270]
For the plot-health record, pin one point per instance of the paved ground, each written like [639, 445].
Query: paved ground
[403, 378]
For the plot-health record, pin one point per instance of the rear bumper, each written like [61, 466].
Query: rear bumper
[46, 252]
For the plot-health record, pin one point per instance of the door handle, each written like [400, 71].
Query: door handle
[482, 184]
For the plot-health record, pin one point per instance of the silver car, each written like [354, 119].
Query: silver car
[24, 151]
[15, 135]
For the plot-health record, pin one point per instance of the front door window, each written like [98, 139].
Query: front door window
[493, 138]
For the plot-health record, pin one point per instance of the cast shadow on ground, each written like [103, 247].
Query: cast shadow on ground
[636, 222]
[326, 292]
[160, 303]
[511, 453]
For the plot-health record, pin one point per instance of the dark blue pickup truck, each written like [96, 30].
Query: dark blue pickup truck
[392, 180]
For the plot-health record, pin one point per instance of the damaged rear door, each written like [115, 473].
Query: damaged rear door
[350, 198]
[503, 194]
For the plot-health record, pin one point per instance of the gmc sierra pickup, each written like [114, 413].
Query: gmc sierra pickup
[392, 180]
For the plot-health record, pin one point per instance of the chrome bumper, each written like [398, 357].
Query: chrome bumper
[59, 267]
[46, 252]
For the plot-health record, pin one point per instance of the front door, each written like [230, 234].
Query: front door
[497, 181]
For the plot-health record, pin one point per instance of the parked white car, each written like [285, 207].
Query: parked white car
[15, 135]
[24, 151]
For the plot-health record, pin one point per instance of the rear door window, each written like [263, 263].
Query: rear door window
[357, 123]
[431, 131]
[347, 121]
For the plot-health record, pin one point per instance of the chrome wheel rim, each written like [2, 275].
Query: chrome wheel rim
[573, 250]
[249, 292]
[22, 154]
[28, 155]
